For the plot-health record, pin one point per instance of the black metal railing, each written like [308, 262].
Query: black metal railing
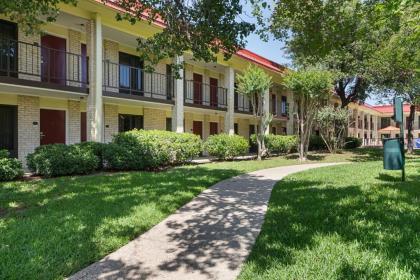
[33, 62]
[124, 79]
[206, 95]
[242, 104]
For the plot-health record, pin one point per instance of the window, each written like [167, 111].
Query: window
[385, 122]
[169, 83]
[284, 105]
[131, 74]
[274, 104]
[9, 49]
[235, 128]
[168, 124]
[129, 122]
[418, 123]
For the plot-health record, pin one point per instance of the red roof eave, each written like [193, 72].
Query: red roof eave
[246, 54]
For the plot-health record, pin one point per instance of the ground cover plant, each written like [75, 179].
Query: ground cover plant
[326, 224]
[51, 228]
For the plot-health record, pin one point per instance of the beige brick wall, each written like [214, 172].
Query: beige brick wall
[74, 60]
[28, 126]
[111, 70]
[29, 60]
[154, 119]
[110, 122]
[73, 122]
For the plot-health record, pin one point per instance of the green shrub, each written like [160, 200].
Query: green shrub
[224, 146]
[281, 144]
[4, 153]
[59, 159]
[352, 143]
[316, 143]
[96, 148]
[10, 168]
[141, 149]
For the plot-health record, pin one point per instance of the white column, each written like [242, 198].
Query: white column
[178, 109]
[230, 86]
[266, 108]
[95, 114]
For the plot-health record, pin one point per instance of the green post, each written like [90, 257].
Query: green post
[399, 118]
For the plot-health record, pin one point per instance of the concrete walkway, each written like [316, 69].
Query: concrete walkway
[208, 238]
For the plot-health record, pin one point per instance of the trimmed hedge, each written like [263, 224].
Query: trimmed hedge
[224, 146]
[59, 159]
[316, 143]
[281, 144]
[10, 168]
[352, 143]
[151, 149]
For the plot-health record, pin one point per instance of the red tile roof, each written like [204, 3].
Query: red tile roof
[389, 109]
[246, 54]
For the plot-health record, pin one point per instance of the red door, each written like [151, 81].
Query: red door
[213, 128]
[198, 128]
[53, 59]
[198, 88]
[83, 127]
[53, 126]
[213, 92]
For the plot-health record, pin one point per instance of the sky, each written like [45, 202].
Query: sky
[272, 49]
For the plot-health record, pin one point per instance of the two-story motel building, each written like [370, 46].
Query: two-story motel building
[80, 80]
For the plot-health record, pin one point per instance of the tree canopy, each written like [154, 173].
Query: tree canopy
[336, 34]
[203, 27]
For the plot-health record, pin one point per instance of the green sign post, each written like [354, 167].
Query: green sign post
[394, 155]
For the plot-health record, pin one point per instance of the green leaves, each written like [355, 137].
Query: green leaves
[204, 27]
[31, 14]
[253, 82]
[310, 84]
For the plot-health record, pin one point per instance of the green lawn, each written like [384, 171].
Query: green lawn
[50, 229]
[346, 222]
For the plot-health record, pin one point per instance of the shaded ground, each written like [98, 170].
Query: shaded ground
[346, 222]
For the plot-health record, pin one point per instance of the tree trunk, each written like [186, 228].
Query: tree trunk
[259, 152]
[410, 123]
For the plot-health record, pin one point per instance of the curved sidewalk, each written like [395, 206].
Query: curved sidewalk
[208, 238]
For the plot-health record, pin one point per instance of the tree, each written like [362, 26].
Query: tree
[312, 89]
[332, 123]
[205, 27]
[335, 34]
[31, 14]
[396, 70]
[254, 83]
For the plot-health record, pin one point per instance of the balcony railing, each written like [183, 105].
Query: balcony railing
[282, 111]
[122, 80]
[35, 65]
[205, 95]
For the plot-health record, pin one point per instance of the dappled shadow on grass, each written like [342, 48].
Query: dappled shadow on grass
[311, 224]
[367, 154]
[71, 222]
[310, 157]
